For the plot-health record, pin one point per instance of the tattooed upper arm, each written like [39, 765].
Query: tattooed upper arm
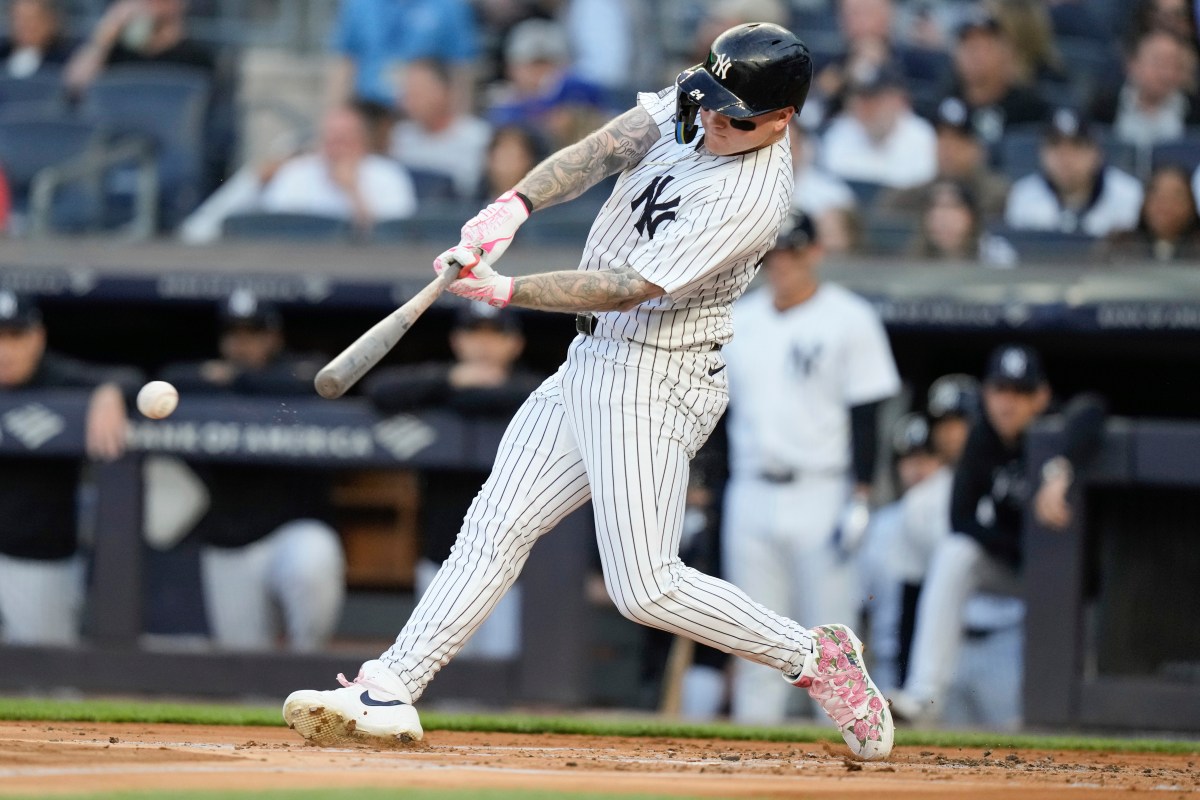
[573, 170]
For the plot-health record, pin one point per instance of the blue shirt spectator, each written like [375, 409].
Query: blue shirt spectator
[371, 35]
[543, 90]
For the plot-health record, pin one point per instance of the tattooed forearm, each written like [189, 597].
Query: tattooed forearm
[572, 170]
[603, 290]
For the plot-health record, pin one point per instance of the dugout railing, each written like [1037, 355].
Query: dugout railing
[550, 667]
[1130, 331]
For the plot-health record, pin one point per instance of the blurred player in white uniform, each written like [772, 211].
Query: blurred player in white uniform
[808, 368]
[986, 689]
[688, 222]
[884, 549]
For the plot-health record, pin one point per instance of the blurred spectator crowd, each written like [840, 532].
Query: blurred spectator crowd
[994, 131]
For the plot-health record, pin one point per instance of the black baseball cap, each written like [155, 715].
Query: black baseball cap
[474, 316]
[1015, 366]
[796, 233]
[873, 79]
[910, 435]
[18, 312]
[979, 20]
[954, 395]
[243, 309]
[1067, 123]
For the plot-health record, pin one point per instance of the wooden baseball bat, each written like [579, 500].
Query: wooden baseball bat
[345, 370]
[679, 660]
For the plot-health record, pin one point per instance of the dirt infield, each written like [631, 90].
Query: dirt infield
[51, 758]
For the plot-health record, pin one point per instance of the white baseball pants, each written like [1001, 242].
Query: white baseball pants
[960, 568]
[41, 601]
[777, 541]
[299, 566]
[618, 424]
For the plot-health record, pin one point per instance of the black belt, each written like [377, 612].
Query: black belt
[586, 324]
[778, 476]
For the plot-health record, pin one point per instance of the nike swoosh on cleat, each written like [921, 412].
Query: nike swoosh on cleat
[367, 700]
[715, 370]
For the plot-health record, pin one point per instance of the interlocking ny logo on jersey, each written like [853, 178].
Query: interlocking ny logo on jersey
[648, 223]
[804, 359]
[721, 65]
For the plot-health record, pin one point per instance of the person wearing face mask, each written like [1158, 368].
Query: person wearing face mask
[138, 32]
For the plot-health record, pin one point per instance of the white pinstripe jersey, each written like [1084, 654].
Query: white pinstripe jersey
[693, 223]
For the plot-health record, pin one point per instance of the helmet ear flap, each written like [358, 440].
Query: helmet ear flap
[686, 110]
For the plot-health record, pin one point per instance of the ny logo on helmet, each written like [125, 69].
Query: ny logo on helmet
[721, 65]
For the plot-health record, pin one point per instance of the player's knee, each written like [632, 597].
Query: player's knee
[958, 550]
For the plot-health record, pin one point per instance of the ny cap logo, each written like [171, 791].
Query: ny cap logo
[243, 303]
[721, 65]
[1012, 363]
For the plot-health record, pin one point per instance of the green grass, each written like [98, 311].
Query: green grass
[365, 794]
[197, 714]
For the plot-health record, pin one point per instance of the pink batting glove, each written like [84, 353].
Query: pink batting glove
[476, 281]
[493, 228]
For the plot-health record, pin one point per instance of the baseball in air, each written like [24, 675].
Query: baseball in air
[157, 399]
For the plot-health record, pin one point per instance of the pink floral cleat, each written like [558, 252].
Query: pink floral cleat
[836, 678]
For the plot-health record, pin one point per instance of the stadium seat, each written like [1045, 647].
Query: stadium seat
[1097, 20]
[165, 105]
[430, 185]
[438, 221]
[886, 235]
[865, 192]
[40, 90]
[1092, 64]
[815, 19]
[1184, 153]
[1020, 151]
[924, 65]
[30, 145]
[262, 225]
[1048, 246]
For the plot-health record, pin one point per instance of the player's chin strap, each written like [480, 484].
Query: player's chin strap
[686, 110]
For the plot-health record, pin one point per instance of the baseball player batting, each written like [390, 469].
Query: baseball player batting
[705, 180]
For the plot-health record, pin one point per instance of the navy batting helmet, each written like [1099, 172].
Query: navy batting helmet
[751, 69]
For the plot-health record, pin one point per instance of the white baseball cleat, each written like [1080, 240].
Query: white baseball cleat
[375, 709]
[836, 678]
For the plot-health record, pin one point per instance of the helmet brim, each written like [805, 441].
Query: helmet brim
[713, 96]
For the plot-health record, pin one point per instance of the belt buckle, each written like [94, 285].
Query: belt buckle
[585, 324]
[778, 476]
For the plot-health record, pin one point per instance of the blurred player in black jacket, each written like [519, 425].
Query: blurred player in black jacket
[41, 570]
[267, 539]
[990, 496]
[483, 381]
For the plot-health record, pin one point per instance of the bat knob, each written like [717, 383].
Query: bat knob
[327, 385]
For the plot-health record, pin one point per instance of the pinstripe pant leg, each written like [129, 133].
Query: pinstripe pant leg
[537, 480]
[640, 414]
[41, 601]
